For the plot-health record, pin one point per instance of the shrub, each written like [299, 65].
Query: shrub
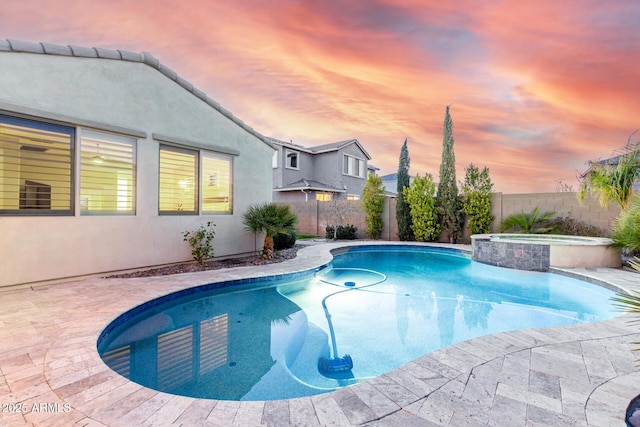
[284, 241]
[572, 227]
[626, 228]
[373, 202]
[348, 232]
[200, 241]
[422, 205]
[477, 189]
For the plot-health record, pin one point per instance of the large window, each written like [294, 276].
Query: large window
[353, 166]
[36, 167]
[107, 173]
[217, 190]
[189, 175]
[178, 180]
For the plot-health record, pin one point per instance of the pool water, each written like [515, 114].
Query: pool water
[377, 306]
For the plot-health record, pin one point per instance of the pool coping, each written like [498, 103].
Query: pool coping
[581, 374]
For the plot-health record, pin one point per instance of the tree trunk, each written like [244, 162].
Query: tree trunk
[267, 250]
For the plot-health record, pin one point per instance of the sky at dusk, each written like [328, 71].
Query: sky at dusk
[536, 87]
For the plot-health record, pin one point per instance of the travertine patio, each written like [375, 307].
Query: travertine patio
[51, 374]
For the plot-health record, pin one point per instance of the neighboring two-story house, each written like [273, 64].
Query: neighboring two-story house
[324, 172]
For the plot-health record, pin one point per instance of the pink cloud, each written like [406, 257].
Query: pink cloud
[537, 88]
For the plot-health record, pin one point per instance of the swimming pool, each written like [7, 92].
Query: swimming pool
[381, 306]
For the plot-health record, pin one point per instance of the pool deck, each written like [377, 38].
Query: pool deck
[52, 375]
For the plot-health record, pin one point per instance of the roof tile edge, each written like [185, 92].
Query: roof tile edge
[11, 45]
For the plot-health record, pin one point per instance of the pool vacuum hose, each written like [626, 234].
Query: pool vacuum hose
[335, 363]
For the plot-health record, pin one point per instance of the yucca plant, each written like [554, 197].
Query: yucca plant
[271, 219]
[529, 223]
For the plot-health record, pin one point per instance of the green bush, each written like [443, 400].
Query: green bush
[373, 203]
[626, 228]
[200, 241]
[422, 205]
[284, 241]
[348, 232]
[477, 189]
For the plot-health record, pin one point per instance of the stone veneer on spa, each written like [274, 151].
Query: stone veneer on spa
[518, 255]
[543, 252]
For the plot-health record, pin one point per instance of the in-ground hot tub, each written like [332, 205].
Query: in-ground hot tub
[540, 252]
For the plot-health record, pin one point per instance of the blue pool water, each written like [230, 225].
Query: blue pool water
[384, 305]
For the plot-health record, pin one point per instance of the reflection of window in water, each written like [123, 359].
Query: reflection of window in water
[213, 343]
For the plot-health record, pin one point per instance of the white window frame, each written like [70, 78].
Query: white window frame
[290, 154]
[354, 166]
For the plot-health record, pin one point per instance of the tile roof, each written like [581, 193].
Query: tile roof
[10, 45]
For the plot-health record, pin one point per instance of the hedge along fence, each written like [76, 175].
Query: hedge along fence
[314, 216]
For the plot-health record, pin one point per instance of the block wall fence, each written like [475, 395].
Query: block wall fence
[314, 216]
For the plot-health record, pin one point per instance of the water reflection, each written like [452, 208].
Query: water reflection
[198, 347]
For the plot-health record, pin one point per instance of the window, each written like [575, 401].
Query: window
[323, 197]
[353, 166]
[274, 160]
[178, 180]
[292, 159]
[181, 170]
[217, 190]
[36, 167]
[107, 173]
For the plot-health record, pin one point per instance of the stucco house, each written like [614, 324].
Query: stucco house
[108, 156]
[324, 172]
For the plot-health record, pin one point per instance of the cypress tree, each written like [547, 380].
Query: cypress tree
[447, 202]
[403, 211]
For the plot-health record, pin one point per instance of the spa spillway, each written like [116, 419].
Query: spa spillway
[537, 252]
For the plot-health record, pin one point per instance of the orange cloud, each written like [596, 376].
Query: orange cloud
[537, 87]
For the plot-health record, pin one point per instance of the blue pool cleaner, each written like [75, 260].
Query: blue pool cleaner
[335, 363]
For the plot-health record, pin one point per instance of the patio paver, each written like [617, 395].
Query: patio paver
[51, 373]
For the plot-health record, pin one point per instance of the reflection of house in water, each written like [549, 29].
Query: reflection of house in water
[202, 345]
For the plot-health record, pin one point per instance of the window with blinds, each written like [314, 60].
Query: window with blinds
[353, 166]
[36, 167]
[178, 180]
[107, 173]
[217, 171]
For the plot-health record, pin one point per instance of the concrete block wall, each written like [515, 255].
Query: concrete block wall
[564, 204]
[314, 216]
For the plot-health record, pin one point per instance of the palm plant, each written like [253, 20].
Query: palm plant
[613, 182]
[528, 223]
[271, 219]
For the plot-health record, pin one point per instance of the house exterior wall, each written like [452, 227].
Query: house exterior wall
[327, 169]
[114, 95]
